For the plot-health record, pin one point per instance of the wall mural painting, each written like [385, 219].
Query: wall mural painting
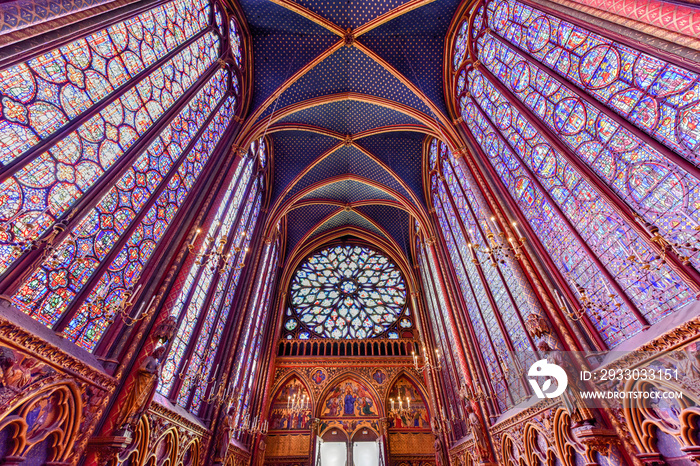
[318, 376]
[349, 399]
[349, 426]
[284, 418]
[379, 376]
[415, 417]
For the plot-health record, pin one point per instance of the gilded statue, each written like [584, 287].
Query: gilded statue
[142, 390]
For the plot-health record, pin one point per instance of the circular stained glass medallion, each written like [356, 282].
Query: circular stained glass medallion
[348, 292]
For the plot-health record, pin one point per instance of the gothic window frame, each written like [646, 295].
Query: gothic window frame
[294, 328]
[196, 357]
[625, 311]
[59, 231]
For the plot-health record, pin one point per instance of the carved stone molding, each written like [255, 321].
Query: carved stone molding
[40, 368]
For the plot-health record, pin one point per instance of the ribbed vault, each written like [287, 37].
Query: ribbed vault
[336, 91]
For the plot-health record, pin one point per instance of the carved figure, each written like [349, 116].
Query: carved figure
[142, 391]
[165, 330]
[537, 326]
[224, 437]
[439, 458]
[478, 433]
[573, 401]
[14, 374]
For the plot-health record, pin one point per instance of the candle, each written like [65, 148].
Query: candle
[471, 251]
[605, 284]
[575, 285]
[622, 246]
[392, 403]
[216, 371]
[515, 225]
[138, 288]
[469, 235]
[400, 404]
[495, 224]
[558, 299]
[512, 244]
[41, 213]
[408, 402]
[196, 233]
[138, 314]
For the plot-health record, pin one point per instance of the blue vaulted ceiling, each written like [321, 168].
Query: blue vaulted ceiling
[348, 91]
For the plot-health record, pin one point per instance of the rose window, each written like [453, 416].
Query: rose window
[347, 292]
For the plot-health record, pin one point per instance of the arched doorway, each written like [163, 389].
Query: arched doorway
[365, 448]
[333, 448]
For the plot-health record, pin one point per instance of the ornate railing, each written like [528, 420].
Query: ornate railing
[327, 347]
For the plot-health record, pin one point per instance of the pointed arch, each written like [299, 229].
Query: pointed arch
[334, 388]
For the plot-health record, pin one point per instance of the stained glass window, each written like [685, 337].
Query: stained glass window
[210, 284]
[498, 298]
[576, 126]
[235, 38]
[144, 98]
[41, 95]
[442, 330]
[247, 360]
[49, 183]
[347, 292]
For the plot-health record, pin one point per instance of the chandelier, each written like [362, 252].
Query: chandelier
[296, 404]
[497, 249]
[402, 411]
[427, 364]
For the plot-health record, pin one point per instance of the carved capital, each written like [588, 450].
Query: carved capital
[459, 153]
[537, 326]
[596, 440]
[106, 448]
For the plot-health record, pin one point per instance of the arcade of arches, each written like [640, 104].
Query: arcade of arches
[349, 232]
